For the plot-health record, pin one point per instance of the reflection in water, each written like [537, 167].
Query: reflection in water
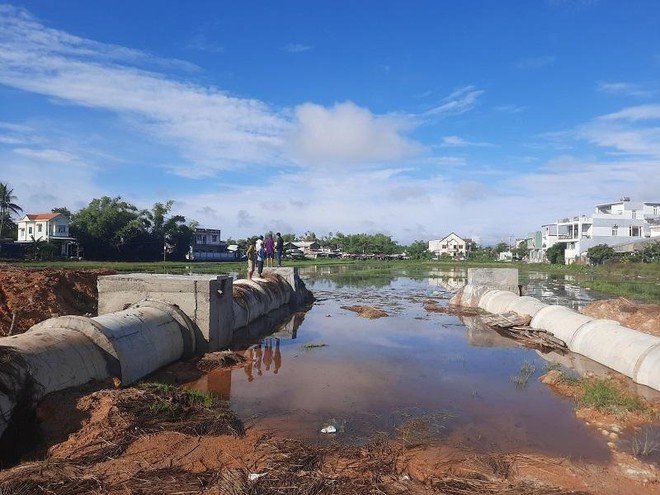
[259, 357]
[255, 358]
[442, 376]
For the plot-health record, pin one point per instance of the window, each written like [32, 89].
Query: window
[635, 231]
[29, 230]
[39, 227]
[214, 238]
[61, 229]
[615, 231]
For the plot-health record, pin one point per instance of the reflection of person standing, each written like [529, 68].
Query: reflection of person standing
[279, 248]
[277, 358]
[268, 354]
[250, 260]
[269, 245]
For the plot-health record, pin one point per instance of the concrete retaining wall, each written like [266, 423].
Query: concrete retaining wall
[628, 351]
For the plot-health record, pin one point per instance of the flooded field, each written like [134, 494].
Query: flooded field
[412, 375]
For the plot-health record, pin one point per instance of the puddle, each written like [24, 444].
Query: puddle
[414, 375]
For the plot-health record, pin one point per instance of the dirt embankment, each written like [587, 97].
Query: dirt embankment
[642, 317]
[30, 296]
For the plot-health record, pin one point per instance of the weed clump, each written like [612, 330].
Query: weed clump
[603, 396]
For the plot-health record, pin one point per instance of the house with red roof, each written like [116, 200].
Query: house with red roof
[51, 228]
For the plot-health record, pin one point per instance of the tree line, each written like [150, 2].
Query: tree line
[115, 230]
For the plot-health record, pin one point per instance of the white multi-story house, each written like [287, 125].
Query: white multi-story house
[620, 222]
[52, 228]
[451, 245]
[207, 246]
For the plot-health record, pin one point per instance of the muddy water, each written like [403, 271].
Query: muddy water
[413, 375]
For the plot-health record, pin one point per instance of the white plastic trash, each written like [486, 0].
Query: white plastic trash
[329, 429]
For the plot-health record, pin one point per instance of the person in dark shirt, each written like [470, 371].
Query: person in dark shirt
[279, 248]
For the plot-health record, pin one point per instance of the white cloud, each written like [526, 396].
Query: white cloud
[411, 208]
[455, 141]
[348, 134]
[640, 112]
[460, 101]
[627, 131]
[48, 155]
[626, 89]
[203, 123]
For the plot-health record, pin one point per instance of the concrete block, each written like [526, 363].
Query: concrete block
[495, 278]
[205, 299]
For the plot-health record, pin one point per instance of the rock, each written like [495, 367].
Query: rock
[552, 377]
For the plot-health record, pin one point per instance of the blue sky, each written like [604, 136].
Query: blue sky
[413, 119]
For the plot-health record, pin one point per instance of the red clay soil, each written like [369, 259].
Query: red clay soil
[642, 317]
[100, 440]
[28, 296]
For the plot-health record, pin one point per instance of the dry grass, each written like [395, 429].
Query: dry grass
[157, 409]
[221, 359]
[286, 467]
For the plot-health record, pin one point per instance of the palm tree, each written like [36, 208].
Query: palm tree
[6, 205]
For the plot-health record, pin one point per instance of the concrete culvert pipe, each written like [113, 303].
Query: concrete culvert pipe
[497, 301]
[141, 339]
[647, 369]
[69, 351]
[620, 348]
[253, 299]
[560, 321]
[38, 362]
[526, 305]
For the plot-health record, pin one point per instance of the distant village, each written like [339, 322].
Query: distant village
[624, 226]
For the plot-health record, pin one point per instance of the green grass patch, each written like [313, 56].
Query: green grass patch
[527, 370]
[601, 395]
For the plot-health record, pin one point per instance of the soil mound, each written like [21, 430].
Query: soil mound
[642, 317]
[28, 296]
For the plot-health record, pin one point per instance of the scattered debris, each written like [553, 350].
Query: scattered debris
[220, 359]
[366, 311]
[513, 325]
[431, 306]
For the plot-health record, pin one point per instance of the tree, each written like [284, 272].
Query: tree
[106, 227]
[419, 250]
[521, 251]
[501, 247]
[112, 229]
[555, 254]
[600, 253]
[7, 206]
[64, 211]
[650, 254]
